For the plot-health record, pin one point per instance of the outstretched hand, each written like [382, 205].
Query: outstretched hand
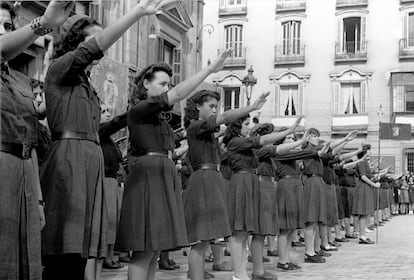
[57, 12]
[150, 7]
[258, 104]
[218, 64]
[351, 135]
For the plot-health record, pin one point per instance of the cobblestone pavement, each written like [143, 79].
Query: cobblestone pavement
[391, 258]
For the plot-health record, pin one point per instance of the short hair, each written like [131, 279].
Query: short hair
[314, 131]
[202, 96]
[234, 129]
[10, 8]
[140, 92]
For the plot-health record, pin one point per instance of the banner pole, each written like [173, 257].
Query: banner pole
[379, 162]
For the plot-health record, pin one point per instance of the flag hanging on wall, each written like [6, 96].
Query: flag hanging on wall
[395, 131]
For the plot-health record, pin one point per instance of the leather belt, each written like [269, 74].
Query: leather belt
[289, 177]
[266, 178]
[208, 166]
[156, 154]
[246, 171]
[78, 135]
[15, 149]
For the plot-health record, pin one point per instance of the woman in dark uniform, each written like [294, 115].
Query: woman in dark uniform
[21, 203]
[72, 175]
[204, 205]
[243, 195]
[152, 216]
[363, 202]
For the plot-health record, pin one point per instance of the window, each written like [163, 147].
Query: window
[289, 103]
[234, 2]
[234, 39]
[170, 54]
[291, 37]
[231, 98]
[409, 160]
[350, 99]
[351, 38]
[409, 30]
[404, 98]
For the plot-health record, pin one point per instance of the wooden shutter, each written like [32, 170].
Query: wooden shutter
[364, 97]
[336, 89]
[160, 56]
[299, 106]
[177, 66]
[363, 33]
[277, 100]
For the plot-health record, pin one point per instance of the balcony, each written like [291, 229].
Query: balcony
[237, 58]
[289, 54]
[406, 48]
[227, 9]
[290, 5]
[346, 123]
[351, 3]
[351, 51]
[406, 1]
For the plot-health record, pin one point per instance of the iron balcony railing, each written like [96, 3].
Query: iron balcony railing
[290, 5]
[289, 54]
[237, 58]
[226, 8]
[351, 50]
[406, 48]
[347, 3]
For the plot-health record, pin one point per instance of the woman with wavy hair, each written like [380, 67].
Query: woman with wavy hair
[243, 195]
[73, 173]
[21, 202]
[204, 205]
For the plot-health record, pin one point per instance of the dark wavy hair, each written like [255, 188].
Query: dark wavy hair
[191, 111]
[365, 148]
[312, 131]
[74, 36]
[9, 7]
[140, 92]
[234, 129]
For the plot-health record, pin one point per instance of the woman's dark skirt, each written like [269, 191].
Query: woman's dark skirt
[383, 203]
[375, 197]
[314, 201]
[111, 198]
[411, 195]
[19, 219]
[390, 197]
[205, 209]
[344, 202]
[363, 202]
[242, 203]
[350, 197]
[331, 205]
[404, 197]
[289, 197]
[152, 214]
[268, 211]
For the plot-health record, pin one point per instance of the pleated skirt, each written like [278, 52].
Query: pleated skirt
[411, 195]
[350, 198]
[152, 214]
[314, 201]
[268, 211]
[363, 200]
[111, 200]
[390, 197]
[404, 198]
[242, 203]
[205, 209]
[341, 211]
[332, 205]
[289, 197]
[383, 203]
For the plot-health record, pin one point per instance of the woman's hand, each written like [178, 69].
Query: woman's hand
[258, 104]
[56, 13]
[218, 64]
[42, 217]
[150, 7]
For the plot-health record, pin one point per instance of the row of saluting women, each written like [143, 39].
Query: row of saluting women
[154, 215]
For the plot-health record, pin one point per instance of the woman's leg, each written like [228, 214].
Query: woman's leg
[139, 267]
[196, 261]
[362, 226]
[323, 233]
[282, 245]
[239, 254]
[256, 249]
[271, 241]
[309, 232]
[291, 236]
[153, 266]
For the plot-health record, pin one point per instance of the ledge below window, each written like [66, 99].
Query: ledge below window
[347, 123]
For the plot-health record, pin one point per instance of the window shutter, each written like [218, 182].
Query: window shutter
[95, 12]
[336, 88]
[339, 41]
[299, 105]
[277, 100]
[363, 33]
[364, 97]
[160, 49]
[177, 66]
[405, 29]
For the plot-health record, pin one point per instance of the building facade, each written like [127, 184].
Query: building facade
[336, 62]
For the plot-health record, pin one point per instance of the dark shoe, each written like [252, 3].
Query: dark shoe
[372, 227]
[301, 239]
[297, 244]
[265, 276]
[286, 266]
[295, 265]
[366, 241]
[227, 253]
[314, 259]
[164, 265]
[352, 236]
[342, 239]
[125, 259]
[272, 253]
[322, 253]
[184, 253]
[224, 266]
[329, 249]
[334, 244]
[111, 265]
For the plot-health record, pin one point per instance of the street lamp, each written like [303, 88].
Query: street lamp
[249, 81]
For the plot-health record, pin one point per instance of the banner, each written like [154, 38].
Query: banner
[395, 131]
